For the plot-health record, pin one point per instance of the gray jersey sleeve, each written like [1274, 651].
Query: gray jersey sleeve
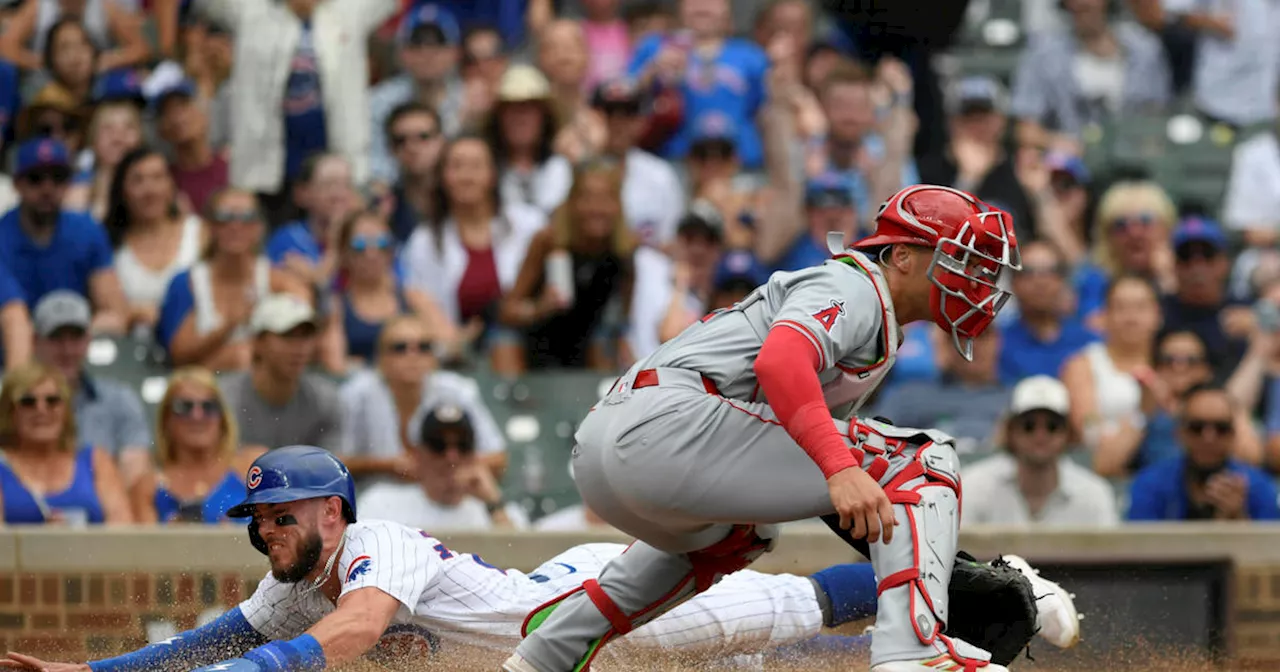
[835, 307]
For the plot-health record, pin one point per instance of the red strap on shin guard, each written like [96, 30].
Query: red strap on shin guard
[607, 608]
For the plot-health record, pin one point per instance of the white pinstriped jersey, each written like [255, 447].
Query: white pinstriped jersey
[457, 597]
[842, 309]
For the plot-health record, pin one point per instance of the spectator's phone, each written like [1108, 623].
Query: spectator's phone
[1267, 315]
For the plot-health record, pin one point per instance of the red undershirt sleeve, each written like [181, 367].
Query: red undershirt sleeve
[787, 368]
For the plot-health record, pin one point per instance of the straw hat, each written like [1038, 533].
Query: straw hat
[51, 96]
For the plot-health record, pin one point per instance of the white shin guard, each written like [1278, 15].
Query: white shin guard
[914, 570]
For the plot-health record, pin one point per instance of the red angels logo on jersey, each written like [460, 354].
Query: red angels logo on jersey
[359, 567]
[827, 316]
[255, 477]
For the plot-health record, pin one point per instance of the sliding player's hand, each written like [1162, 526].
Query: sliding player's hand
[17, 661]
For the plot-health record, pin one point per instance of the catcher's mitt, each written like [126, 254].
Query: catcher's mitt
[992, 607]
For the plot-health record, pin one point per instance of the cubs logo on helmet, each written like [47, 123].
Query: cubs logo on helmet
[255, 477]
[291, 474]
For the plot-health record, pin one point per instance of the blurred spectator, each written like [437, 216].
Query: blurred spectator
[1045, 333]
[53, 112]
[452, 489]
[652, 219]
[413, 133]
[1235, 71]
[1033, 481]
[714, 73]
[608, 41]
[713, 164]
[1252, 201]
[153, 241]
[1106, 397]
[183, 123]
[299, 85]
[1131, 232]
[1205, 481]
[371, 293]
[1181, 363]
[207, 58]
[114, 31]
[976, 160]
[484, 60]
[1255, 384]
[47, 248]
[967, 404]
[792, 18]
[108, 415]
[562, 55]
[429, 44]
[378, 403]
[521, 132]
[46, 475]
[15, 322]
[872, 153]
[575, 518]
[69, 57]
[1201, 303]
[1068, 185]
[115, 129]
[647, 18]
[205, 312]
[1089, 73]
[468, 255]
[820, 61]
[325, 192]
[828, 208]
[678, 293]
[201, 474]
[576, 279]
[277, 402]
[506, 19]
[737, 275]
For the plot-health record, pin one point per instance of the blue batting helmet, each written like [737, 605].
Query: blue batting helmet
[292, 473]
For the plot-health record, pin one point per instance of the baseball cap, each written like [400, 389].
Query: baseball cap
[703, 219]
[977, 93]
[1068, 164]
[61, 309]
[1040, 393]
[429, 25]
[41, 153]
[740, 267]
[122, 84]
[523, 83]
[619, 92]
[168, 79]
[280, 314]
[446, 421]
[1199, 230]
[829, 190]
[715, 126]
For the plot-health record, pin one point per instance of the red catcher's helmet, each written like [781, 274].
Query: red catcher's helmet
[973, 247]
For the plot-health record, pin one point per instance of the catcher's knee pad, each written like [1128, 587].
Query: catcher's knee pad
[741, 547]
[915, 568]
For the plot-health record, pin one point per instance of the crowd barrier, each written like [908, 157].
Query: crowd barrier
[1208, 589]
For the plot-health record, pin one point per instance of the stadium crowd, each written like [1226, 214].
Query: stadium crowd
[324, 215]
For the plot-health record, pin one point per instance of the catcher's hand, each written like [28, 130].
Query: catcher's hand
[992, 607]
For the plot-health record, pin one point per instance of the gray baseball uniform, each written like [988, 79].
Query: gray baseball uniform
[685, 446]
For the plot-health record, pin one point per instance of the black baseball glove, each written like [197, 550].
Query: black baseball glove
[992, 607]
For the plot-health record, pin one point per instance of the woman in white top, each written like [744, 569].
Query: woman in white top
[114, 27]
[205, 312]
[1103, 378]
[153, 241]
[468, 256]
[521, 131]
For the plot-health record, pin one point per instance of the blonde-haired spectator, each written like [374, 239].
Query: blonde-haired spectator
[205, 312]
[46, 476]
[115, 129]
[1131, 234]
[201, 471]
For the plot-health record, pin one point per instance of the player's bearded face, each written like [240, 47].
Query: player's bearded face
[292, 567]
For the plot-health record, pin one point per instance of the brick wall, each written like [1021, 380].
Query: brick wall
[1257, 614]
[79, 616]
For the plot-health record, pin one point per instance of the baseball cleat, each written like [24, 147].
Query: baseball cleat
[516, 663]
[1058, 620]
[960, 656]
